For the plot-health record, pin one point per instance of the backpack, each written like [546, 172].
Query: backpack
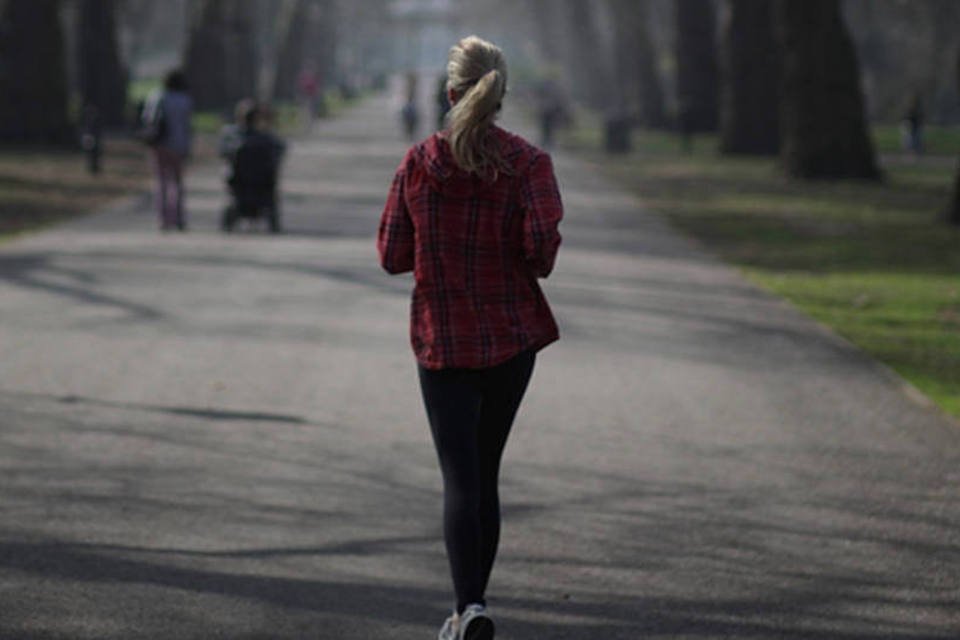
[153, 124]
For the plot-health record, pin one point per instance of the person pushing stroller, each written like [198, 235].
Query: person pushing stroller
[253, 156]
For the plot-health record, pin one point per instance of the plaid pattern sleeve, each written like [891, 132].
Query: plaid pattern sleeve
[395, 240]
[543, 211]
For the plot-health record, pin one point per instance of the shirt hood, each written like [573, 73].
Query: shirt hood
[436, 159]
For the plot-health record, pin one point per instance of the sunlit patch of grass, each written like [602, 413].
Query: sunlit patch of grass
[210, 122]
[140, 88]
[911, 322]
[871, 260]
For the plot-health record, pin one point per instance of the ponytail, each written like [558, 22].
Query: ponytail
[481, 94]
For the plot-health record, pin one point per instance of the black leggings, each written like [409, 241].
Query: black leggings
[470, 413]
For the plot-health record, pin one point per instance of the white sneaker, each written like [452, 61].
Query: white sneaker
[450, 629]
[475, 623]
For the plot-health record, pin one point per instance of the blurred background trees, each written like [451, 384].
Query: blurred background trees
[953, 212]
[696, 61]
[636, 63]
[751, 65]
[591, 69]
[101, 75]
[293, 25]
[805, 78]
[221, 57]
[33, 74]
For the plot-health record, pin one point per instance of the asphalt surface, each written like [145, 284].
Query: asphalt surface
[209, 436]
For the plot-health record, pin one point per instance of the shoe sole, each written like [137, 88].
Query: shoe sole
[480, 628]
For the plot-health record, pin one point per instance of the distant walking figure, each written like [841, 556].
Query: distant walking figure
[443, 101]
[308, 86]
[410, 114]
[473, 212]
[551, 111]
[167, 116]
[913, 126]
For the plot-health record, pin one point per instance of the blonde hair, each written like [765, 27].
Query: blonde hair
[477, 74]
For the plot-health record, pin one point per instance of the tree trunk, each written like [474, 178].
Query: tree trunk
[33, 77]
[323, 48]
[291, 35]
[823, 125]
[750, 91]
[636, 62]
[103, 80]
[652, 111]
[590, 72]
[697, 74]
[548, 30]
[221, 61]
[953, 214]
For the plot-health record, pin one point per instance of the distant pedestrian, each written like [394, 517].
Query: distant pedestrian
[308, 86]
[443, 102]
[685, 125]
[91, 137]
[550, 108]
[409, 113]
[166, 120]
[913, 126]
[410, 119]
[473, 212]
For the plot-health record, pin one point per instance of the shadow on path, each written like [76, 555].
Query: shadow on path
[582, 620]
[189, 412]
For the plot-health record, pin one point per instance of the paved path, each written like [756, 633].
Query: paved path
[220, 437]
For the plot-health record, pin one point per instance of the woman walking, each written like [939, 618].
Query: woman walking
[167, 114]
[473, 212]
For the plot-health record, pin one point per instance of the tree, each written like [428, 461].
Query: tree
[592, 81]
[548, 28]
[953, 214]
[636, 62]
[906, 48]
[366, 54]
[750, 89]
[823, 125]
[102, 78]
[697, 73]
[33, 77]
[307, 37]
[291, 38]
[221, 57]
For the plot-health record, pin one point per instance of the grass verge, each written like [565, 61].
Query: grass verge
[39, 187]
[871, 261]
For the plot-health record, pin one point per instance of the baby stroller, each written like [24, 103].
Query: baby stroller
[252, 180]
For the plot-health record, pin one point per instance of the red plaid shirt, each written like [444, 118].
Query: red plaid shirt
[476, 249]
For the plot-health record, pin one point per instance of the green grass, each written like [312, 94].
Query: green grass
[873, 261]
[939, 140]
[288, 116]
[141, 88]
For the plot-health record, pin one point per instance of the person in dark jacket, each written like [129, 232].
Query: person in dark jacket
[253, 156]
[474, 213]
